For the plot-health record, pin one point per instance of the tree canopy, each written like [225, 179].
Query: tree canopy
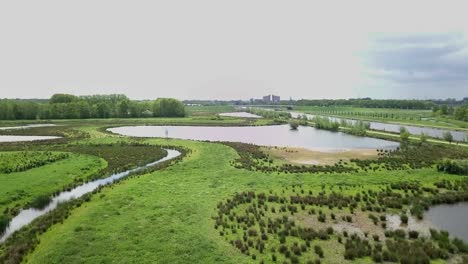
[67, 106]
[168, 107]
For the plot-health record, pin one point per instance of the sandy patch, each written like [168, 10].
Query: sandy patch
[314, 157]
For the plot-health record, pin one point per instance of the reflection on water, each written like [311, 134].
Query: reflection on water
[26, 216]
[450, 217]
[280, 136]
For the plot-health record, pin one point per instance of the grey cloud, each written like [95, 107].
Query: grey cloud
[419, 58]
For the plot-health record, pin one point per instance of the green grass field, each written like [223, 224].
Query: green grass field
[168, 216]
[18, 189]
[214, 109]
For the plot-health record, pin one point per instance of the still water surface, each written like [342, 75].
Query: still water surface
[450, 217]
[280, 136]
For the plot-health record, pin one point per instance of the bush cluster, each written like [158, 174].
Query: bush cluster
[269, 225]
[453, 166]
[411, 157]
[25, 160]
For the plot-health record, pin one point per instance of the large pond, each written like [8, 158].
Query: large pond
[26, 216]
[415, 130]
[280, 136]
[452, 218]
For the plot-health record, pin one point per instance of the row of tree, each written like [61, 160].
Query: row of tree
[459, 113]
[370, 103]
[66, 106]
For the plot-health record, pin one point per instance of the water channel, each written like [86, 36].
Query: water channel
[26, 216]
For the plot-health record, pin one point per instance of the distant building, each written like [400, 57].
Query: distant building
[271, 99]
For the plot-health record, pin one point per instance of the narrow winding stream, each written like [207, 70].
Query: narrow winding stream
[26, 216]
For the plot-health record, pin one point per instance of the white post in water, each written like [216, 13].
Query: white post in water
[167, 133]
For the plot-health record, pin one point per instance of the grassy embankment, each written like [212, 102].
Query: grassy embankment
[209, 110]
[167, 216]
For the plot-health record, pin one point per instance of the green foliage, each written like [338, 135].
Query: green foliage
[423, 138]
[404, 135]
[120, 156]
[326, 123]
[40, 202]
[357, 128]
[4, 221]
[21, 161]
[357, 248]
[412, 156]
[319, 251]
[17, 246]
[62, 98]
[293, 124]
[404, 218]
[448, 136]
[272, 114]
[369, 103]
[168, 107]
[190, 192]
[453, 166]
[66, 106]
[458, 113]
[248, 216]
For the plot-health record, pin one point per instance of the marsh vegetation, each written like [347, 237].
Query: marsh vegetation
[229, 202]
[291, 224]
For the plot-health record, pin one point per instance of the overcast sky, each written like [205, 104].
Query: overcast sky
[234, 49]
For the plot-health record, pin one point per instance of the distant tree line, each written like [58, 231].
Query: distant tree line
[459, 113]
[67, 106]
[370, 103]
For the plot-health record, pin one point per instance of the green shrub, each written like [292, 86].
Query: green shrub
[319, 251]
[404, 219]
[293, 124]
[326, 123]
[40, 201]
[4, 221]
[453, 166]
